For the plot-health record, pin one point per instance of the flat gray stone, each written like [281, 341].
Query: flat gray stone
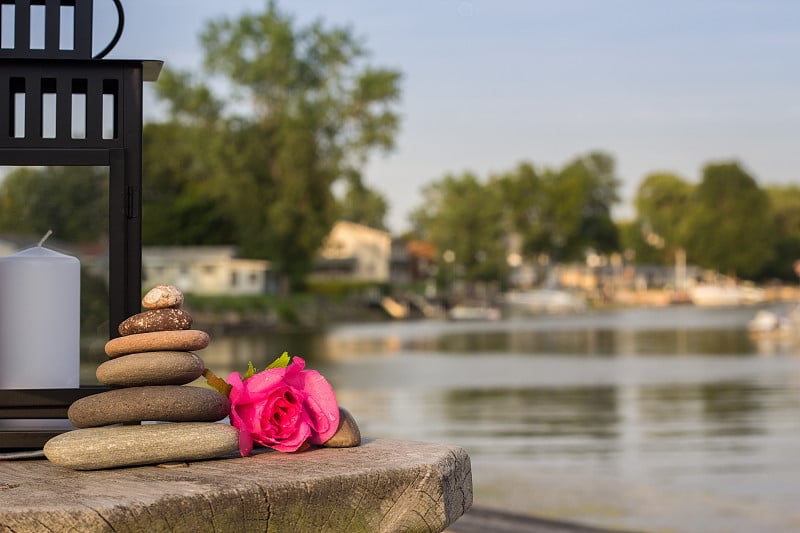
[348, 434]
[168, 403]
[97, 448]
[188, 340]
[156, 320]
[150, 368]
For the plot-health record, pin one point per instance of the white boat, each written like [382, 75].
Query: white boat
[473, 312]
[711, 295]
[770, 324]
[545, 301]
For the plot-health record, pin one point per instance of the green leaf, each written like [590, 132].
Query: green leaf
[251, 370]
[281, 362]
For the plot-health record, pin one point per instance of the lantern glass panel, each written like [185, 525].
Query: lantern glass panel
[73, 202]
[37, 27]
[7, 26]
[66, 31]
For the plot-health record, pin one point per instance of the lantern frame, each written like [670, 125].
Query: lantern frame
[111, 137]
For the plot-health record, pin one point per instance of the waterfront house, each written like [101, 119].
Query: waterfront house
[411, 261]
[206, 270]
[354, 252]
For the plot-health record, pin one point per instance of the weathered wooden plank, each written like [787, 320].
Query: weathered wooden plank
[383, 485]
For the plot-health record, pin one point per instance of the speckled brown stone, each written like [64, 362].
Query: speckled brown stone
[348, 434]
[156, 320]
[162, 297]
[168, 403]
[187, 340]
[96, 448]
[150, 368]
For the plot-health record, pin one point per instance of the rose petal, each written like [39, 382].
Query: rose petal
[240, 413]
[245, 443]
[294, 441]
[322, 406]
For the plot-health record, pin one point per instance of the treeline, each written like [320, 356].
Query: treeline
[724, 222]
[253, 149]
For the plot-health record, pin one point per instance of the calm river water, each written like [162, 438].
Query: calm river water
[654, 419]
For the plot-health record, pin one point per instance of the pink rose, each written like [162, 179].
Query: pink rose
[282, 408]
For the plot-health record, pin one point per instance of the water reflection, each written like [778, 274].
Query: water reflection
[589, 412]
[593, 342]
[228, 353]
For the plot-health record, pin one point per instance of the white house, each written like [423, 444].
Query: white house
[354, 252]
[208, 270]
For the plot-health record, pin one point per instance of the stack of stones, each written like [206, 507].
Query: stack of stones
[148, 369]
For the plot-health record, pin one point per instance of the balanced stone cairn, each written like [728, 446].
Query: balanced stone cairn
[148, 369]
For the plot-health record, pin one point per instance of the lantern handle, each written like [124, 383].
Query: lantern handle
[118, 34]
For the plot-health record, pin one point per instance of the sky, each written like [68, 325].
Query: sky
[661, 86]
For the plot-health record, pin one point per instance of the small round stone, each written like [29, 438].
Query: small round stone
[162, 297]
[167, 403]
[187, 340]
[150, 368]
[348, 435]
[96, 448]
[156, 320]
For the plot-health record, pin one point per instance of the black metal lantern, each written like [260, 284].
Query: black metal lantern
[35, 134]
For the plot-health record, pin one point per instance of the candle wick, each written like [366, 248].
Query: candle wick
[46, 235]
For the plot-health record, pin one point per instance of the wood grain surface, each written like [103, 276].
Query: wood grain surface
[382, 485]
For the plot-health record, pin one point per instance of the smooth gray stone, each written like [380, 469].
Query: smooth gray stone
[348, 434]
[150, 368]
[97, 448]
[168, 403]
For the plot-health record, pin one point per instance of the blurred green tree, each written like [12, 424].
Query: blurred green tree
[730, 227]
[303, 110]
[181, 203]
[662, 202]
[580, 198]
[562, 213]
[72, 201]
[785, 202]
[464, 219]
[524, 196]
[363, 205]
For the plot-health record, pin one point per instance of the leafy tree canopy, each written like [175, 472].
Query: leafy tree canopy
[303, 109]
[785, 201]
[462, 217]
[662, 202]
[730, 226]
[363, 205]
[72, 201]
[566, 212]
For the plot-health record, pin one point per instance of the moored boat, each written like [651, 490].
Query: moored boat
[712, 295]
[545, 301]
[473, 312]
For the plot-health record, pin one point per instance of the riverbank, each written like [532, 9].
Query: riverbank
[231, 314]
[316, 311]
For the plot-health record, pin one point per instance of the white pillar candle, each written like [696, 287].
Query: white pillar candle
[39, 320]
